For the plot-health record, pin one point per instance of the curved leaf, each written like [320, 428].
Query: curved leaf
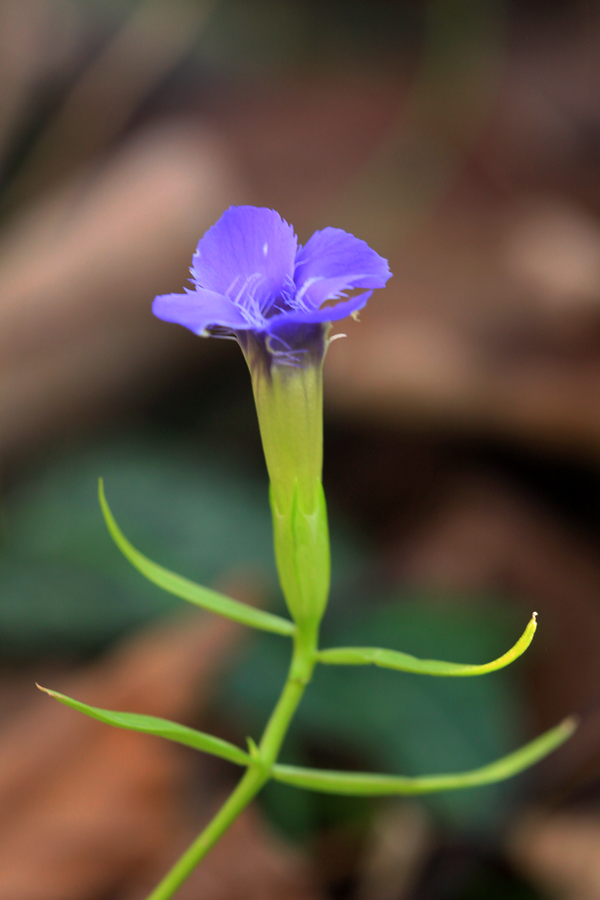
[368, 785]
[404, 662]
[181, 734]
[189, 590]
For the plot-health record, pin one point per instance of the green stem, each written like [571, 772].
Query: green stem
[301, 669]
[246, 790]
[300, 673]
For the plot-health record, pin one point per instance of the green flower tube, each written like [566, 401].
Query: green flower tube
[289, 403]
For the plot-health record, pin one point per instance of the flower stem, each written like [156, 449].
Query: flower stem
[247, 788]
[299, 675]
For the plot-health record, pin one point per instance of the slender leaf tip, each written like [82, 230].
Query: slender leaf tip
[371, 784]
[163, 728]
[570, 724]
[404, 662]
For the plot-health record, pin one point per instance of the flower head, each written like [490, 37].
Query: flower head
[250, 275]
[253, 281]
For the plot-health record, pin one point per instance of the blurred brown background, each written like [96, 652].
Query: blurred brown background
[461, 139]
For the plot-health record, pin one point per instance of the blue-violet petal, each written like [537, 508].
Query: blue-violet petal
[248, 256]
[334, 261]
[199, 309]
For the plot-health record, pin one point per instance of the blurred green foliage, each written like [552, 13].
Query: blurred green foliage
[257, 36]
[64, 586]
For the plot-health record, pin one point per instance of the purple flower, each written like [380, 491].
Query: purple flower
[250, 276]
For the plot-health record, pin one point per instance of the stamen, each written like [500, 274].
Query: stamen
[299, 298]
[231, 286]
[286, 357]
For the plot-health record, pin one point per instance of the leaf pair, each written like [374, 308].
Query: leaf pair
[351, 783]
[256, 618]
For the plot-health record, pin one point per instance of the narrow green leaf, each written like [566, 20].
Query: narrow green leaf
[404, 662]
[181, 734]
[366, 784]
[189, 590]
